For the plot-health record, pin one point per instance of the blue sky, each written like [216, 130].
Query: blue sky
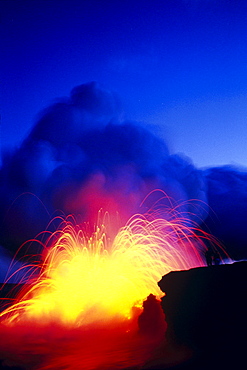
[180, 65]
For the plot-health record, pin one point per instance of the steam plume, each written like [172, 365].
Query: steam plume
[82, 156]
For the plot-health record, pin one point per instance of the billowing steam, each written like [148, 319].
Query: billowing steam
[227, 196]
[82, 156]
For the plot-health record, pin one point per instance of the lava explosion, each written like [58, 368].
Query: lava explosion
[85, 278]
[88, 284]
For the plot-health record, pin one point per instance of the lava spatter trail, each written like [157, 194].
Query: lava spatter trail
[82, 310]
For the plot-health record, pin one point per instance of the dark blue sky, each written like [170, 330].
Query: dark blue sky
[178, 64]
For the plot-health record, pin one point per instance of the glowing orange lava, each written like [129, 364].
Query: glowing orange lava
[82, 310]
[87, 279]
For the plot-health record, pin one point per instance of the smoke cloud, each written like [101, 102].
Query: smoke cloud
[227, 197]
[82, 156]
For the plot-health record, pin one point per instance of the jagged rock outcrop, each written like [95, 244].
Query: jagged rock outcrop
[206, 311]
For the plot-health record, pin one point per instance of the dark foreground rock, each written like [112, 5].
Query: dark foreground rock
[206, 313]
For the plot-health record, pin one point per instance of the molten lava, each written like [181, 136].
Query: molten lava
[87, 279]
[90, 292]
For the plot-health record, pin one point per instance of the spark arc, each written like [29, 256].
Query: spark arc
[87, 278]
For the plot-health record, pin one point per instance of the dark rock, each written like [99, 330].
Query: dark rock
[205, 311]
[151, 321]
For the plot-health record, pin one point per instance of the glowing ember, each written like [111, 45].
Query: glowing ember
[87, 279]
[84, 310]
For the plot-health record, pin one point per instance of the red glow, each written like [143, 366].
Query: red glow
[82, 311]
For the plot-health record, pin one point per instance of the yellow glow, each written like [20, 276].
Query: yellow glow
[87, 279]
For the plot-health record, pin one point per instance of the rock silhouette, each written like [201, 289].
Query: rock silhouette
[205, 311]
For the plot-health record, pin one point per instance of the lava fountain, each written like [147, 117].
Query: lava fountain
[91, 290]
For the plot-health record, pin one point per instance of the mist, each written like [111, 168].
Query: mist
[82, 155]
